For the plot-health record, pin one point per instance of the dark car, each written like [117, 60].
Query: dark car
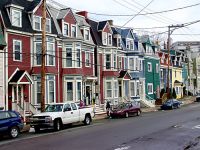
[125, 110]
[11, 123]
[198, 97]
[171, 104]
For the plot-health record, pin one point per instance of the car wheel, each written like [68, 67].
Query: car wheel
[57, 125]
[178, 106]
[37, 129]
[14, 132]
[87, 120]
[126, 115]
[138, 113]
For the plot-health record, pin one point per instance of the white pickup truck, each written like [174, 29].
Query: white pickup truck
[59, 114]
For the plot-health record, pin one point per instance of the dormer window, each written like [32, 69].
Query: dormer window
[37, 24]
[104, 38]
[109, 39]
[87, 34]
[16, 18]
[66, 29]
[129, 44]
[73, 31]
[118, 42]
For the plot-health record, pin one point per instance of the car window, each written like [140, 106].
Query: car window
[67, 107]
[73, 106]
[4, 115]
[12, 114]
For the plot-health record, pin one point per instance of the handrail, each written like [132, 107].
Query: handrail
[148, 97]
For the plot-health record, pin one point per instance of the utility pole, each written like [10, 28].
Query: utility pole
[168, 47]
[43, 55]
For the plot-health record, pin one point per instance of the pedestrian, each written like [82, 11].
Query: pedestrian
[108, 108]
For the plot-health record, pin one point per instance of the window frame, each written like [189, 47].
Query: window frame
[72, 26]
[13, 21]
[105, 38]
[107, 89]
[87, 64]
[48, 20]
[110, 61]
[109, 38]
[65, 23]
[40, 23]
[157, 68]
[150, 84]
[132, 89]
[51, 78]
[20, 50]
[51, 52]
[149, 69]
[85, 35]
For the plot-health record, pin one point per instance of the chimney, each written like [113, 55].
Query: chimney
[83, 13]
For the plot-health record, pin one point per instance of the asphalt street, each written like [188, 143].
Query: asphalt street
[177, 129]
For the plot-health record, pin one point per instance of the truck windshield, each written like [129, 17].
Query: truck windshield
[54, 108]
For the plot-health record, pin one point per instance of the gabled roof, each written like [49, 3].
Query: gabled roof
[18, 76]
[63, 13]
[124, 74]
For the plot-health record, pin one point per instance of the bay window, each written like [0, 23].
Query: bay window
[115, 89]
[69, 55]
[115, 61]
[108, 89]
[131, 64]
[78, 55]
[51, 88]
[132, 88]
[50, 51]
[108, 61]
[38, 47]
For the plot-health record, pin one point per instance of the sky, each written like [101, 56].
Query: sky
[131, 7]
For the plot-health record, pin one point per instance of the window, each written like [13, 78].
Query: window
[51, 89]
[137, 88]
[136, 64]
[119, 42]
[38, 90]
[16, 18]
[50, 52]
[73, 106]
[104, 38]
[108, 61]
[69, 55]
[73, 31]
[131, 64]
[87, 34]
[48, 25]
[150, 88]
[66, 29]
[120, 88]
[78, 55]
[115, 89]
[132, 88]
[17, 50]
[109, 39]
[69, 91]
[37, 23]
[141, 65]
[115, 61]
[12, 114]
[157, 68]
[87, 59]
[108, 89]
[4, 115]
[120, 62]
[149, 66]
[129, 44]
[38, 47]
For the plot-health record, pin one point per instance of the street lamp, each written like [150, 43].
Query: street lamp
[168, 47]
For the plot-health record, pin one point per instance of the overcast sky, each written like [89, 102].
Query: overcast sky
[134, 6]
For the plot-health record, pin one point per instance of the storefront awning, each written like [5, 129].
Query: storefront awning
[20, 77]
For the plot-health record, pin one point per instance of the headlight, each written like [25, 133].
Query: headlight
[48, 119]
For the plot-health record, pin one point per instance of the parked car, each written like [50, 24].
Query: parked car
[11, 123]
[60, 114]
[125, 110]
[198, 97]
[171, 104]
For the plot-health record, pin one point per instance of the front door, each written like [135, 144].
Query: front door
[18, 95]
[88, 95]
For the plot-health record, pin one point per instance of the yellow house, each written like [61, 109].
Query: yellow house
[177, 82]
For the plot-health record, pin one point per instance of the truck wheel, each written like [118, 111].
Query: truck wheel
[14, 132]
[37, 129]
[57, 125]
[87, 120]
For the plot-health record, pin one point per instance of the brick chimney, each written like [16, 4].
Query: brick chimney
[83, 13]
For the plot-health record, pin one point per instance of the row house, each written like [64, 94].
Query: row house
[152, 69]
[69, 60]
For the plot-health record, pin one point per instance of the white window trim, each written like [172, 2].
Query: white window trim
[105, 41]
[128, 39]
[149, 63]
[150, 84]
[49, 25]
[35, 60]
[48, 80]
[40, 23]
[87, 52]
[12, 17]
[134, 94]
[111, 57]
[157, 68]
[72, 25]
[14, 50]
[65, 23]
[116, 89]
[47, 58]
[110, 44]
[114, 61]
[86, 29]
[119, 38]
